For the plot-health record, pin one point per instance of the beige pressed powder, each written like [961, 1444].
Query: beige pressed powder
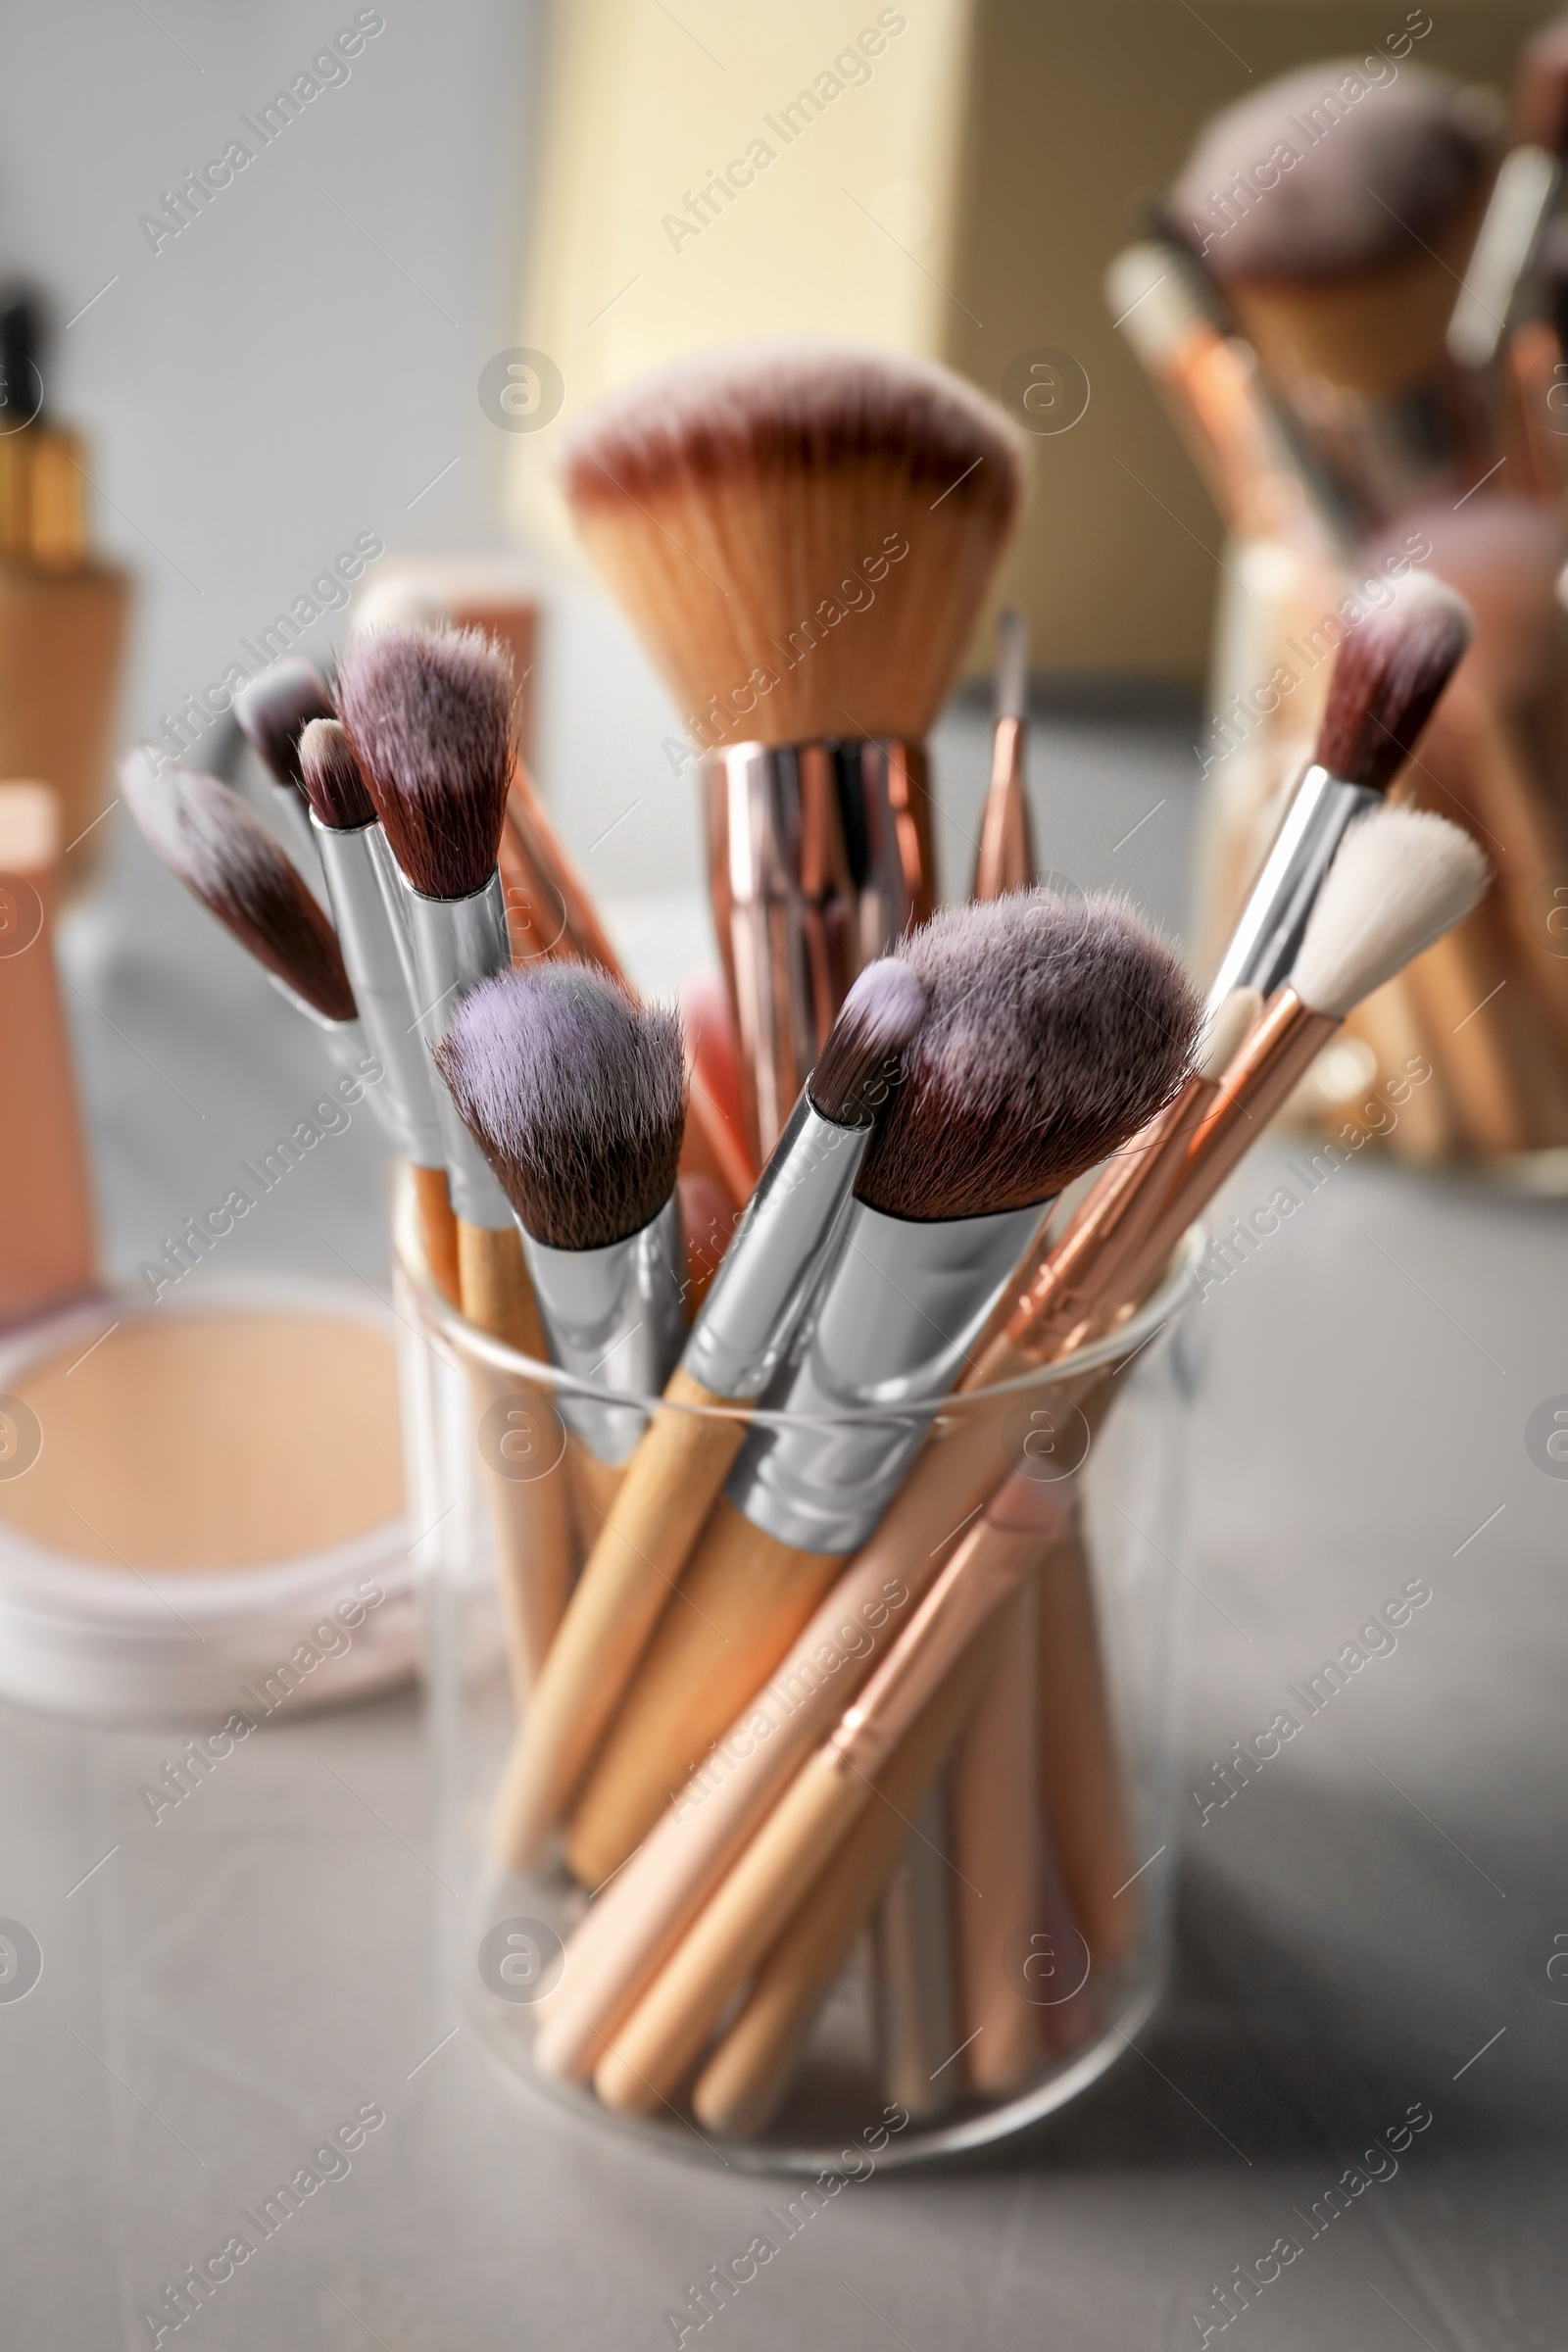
[212, 1441]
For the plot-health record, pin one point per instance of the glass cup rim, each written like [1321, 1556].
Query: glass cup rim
[1164, 1303]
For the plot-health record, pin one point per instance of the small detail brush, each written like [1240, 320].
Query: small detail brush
[747, 1320]
[274, 711]
[428, 714]
[1388, 674]
[1056, 1028]
[360, 882]
[1523, 197]
[1006, 858]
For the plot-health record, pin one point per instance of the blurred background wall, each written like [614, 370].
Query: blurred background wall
[495, 173]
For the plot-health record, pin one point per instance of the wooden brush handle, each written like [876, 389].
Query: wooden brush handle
[917, 2012]
[1080, 1776]
[742, 2083]
[652, 2053]
[740, 1603]
[530, 1518]
[497, 1295]
[595, 1486]
[993, 1808]
[679, 1466]
[438, 1231]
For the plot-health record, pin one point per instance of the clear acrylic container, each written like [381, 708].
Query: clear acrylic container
[888, 2056]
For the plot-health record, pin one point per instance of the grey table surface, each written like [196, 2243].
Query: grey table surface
[1359, 1933]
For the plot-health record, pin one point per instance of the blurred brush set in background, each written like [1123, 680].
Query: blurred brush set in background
[750, 1349]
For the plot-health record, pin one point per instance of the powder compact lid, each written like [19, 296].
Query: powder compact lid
[191, 1491]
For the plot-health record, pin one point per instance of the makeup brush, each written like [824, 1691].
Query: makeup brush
[428, 714]
[1055, 1029]
[273, 711]
[1006, 858]
[1388, 674]
[357, 867]
[1411, 876]
[747, 1319]
[650, 2053]
[804, 535]
[1523, 197]
[576, 1096]
[227, 857]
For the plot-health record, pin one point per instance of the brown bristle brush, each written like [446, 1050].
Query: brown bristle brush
[1055, 1029]
[361, 889]
[746, 1323]
[576, 1096]
[227, 857]
[1336, 212]
[429, 714]
[804, 535]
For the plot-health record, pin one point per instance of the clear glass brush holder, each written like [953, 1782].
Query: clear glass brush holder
[900, 2030]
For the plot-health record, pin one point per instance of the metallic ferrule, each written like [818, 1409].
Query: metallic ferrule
[457, 944]
[895, 1318]
[299, 825]
[613, 1316]
[770, 1270]
[375, 964]
[820, 857]
[346, 1043]
[1263, 945]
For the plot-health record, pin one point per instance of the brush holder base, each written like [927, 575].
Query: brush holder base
[879, 2071]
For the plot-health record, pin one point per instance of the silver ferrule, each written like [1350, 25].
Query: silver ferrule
[1522, 198]
[347, 1044]
[375, 964]
[395, 898]
[294, 811]
[818, 858]
[457, 944]
[885, 1341]
[613, 1316]
[766, 1275]
[1263, 947]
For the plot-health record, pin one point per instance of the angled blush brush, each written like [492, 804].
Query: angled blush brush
[428, 716]
[1006, 858]
[273, 711]
[747, 1320]
[804, 535]
[227, 857]
[361, 890]
[1055, 1029]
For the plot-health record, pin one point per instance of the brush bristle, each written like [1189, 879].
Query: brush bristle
[1055, 1027]
[576, 1096]
[207, 837]
[1541, 90]
[802, 532]
[1400, 879]
[331, 778]
[1226, 1033]
[274, 710]
[430, 716]
[860, 1061]
[1388, 177]
[1388, 676]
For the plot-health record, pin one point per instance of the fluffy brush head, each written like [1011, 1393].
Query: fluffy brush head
[1055, 1027]
[1541, 90]
[331, 776]
[430, 716]
[576, 1096]
[1376, 176]
[274, 710]
[1400, 879]
[205, 834]
[802, 532]
[860, 1061]
[1388, 676]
